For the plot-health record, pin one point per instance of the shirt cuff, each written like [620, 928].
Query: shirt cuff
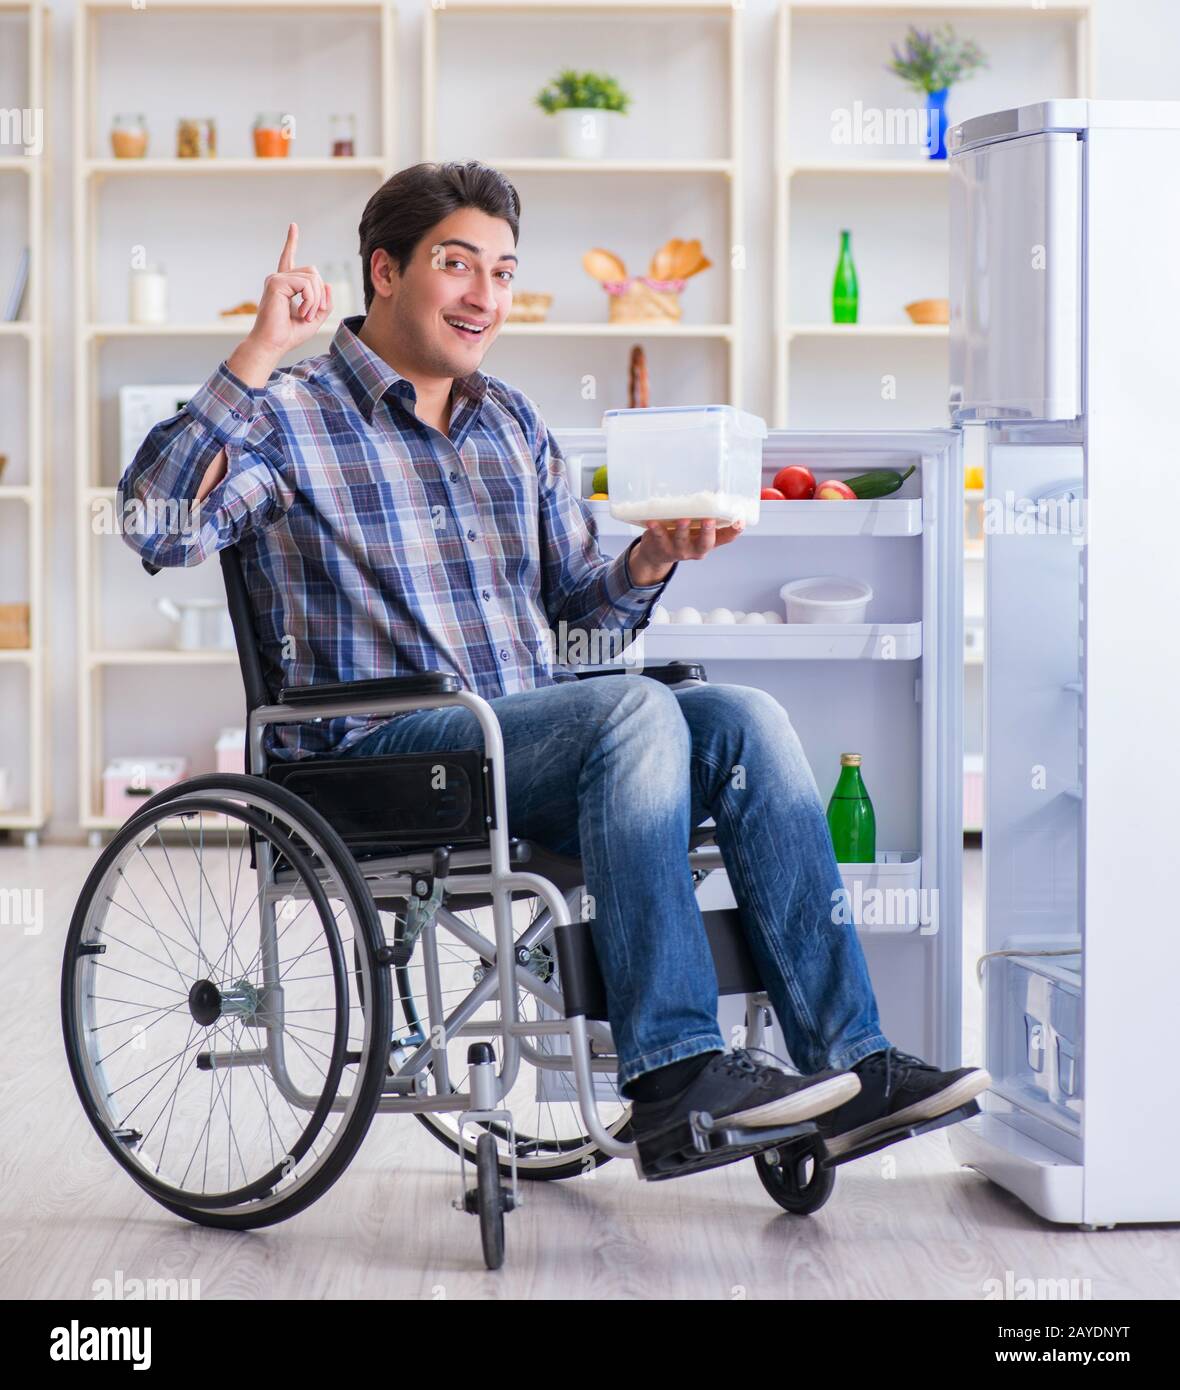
[636, 599]
[224, 404]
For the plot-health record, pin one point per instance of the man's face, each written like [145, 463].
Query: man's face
[461, 273]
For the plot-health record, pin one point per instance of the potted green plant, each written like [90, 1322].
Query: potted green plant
[931, 64]
[584, 104]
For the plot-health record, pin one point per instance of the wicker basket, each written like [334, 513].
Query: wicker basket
[14, 626]
[645, 301]
[529, 307]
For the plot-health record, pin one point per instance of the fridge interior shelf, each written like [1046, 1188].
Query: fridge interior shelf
[785, 641]
[886, 896]
[883, 516]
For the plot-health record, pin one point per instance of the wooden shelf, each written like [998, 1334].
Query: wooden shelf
[867, 330]
[163, 656]
[28, 742]
[792, 37]
[107, 182]
[730, 167]
[141, 168]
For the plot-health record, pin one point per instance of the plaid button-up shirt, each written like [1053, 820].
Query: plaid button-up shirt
[374, 545]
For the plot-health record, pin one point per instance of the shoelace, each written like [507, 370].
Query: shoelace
[906, 1062]
[741, 1059]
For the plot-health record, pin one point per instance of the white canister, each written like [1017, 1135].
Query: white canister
[149, 295]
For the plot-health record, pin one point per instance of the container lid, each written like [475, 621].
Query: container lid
[152, 765]
[654, 414]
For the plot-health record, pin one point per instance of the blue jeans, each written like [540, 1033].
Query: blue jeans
[617, 769]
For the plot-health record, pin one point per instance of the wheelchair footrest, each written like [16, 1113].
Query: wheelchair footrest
[713, 1143]
[893, 1136]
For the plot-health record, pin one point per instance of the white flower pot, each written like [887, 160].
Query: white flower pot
[584, 131]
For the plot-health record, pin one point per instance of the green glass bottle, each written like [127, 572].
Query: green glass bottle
[850, 816]
[845, 295]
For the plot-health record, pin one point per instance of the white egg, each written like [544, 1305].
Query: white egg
[660, 614]
[738, 614]
[688, 615]
[754, 618]
[720, 615]
[771, 616]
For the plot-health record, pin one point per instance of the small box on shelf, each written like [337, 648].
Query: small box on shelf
[128, 782]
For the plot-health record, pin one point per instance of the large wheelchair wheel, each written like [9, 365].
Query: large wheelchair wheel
[551, 1142]
[211, 1009]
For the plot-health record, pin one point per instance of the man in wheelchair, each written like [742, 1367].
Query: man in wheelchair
[397, 510]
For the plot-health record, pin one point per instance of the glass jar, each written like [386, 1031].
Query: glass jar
[196, 137]
[149, 295]
[272, 135]
[129, 136]
[343, 136]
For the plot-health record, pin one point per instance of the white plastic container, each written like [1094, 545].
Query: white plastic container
[827, 598]
[668, 462]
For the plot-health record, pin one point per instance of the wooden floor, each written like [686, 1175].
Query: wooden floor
[903, 1223]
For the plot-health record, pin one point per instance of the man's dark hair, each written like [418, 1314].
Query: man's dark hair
[405, 207]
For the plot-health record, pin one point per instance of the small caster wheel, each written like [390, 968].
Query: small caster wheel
[491, 1201]
[794, 1177]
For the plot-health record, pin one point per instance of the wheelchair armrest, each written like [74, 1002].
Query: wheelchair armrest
[669, 674]
[383, 688]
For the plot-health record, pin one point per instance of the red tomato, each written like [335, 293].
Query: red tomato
[795, 482]
[771, 494]
[832, 489]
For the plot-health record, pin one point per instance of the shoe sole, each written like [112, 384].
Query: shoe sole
[800, 1105]
[965, 1089]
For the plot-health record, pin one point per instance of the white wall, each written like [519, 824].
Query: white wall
[1135, 43]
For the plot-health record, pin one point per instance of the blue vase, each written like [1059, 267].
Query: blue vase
[936, 123]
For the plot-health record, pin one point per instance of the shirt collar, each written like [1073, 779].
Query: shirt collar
[370, 378]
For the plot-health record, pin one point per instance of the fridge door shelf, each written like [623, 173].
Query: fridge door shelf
[883, 898]
[1039, 1068]
[882, 516]
[784, 641]
[887, 896]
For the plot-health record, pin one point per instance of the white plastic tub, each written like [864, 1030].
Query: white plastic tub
[826, 598]
[700, 462]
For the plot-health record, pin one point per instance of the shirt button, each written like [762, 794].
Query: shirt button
[236, 415]
[470, 535]
[503, 656]
[454, 477]
[486, 594]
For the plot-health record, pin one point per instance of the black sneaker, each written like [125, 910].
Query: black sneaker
[897, 1090]
[734, 1087]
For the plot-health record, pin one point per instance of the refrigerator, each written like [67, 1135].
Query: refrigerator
[1065, 311]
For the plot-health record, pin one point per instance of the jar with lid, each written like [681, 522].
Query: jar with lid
[343, 136]
[196, 137]
[149, 295]
[272, 135]
[129, 136]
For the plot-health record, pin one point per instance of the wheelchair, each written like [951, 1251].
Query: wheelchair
[258, 964]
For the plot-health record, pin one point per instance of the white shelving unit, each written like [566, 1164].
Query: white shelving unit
[438, 21]
[24, 505]
[889, 177]
[131, 178]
